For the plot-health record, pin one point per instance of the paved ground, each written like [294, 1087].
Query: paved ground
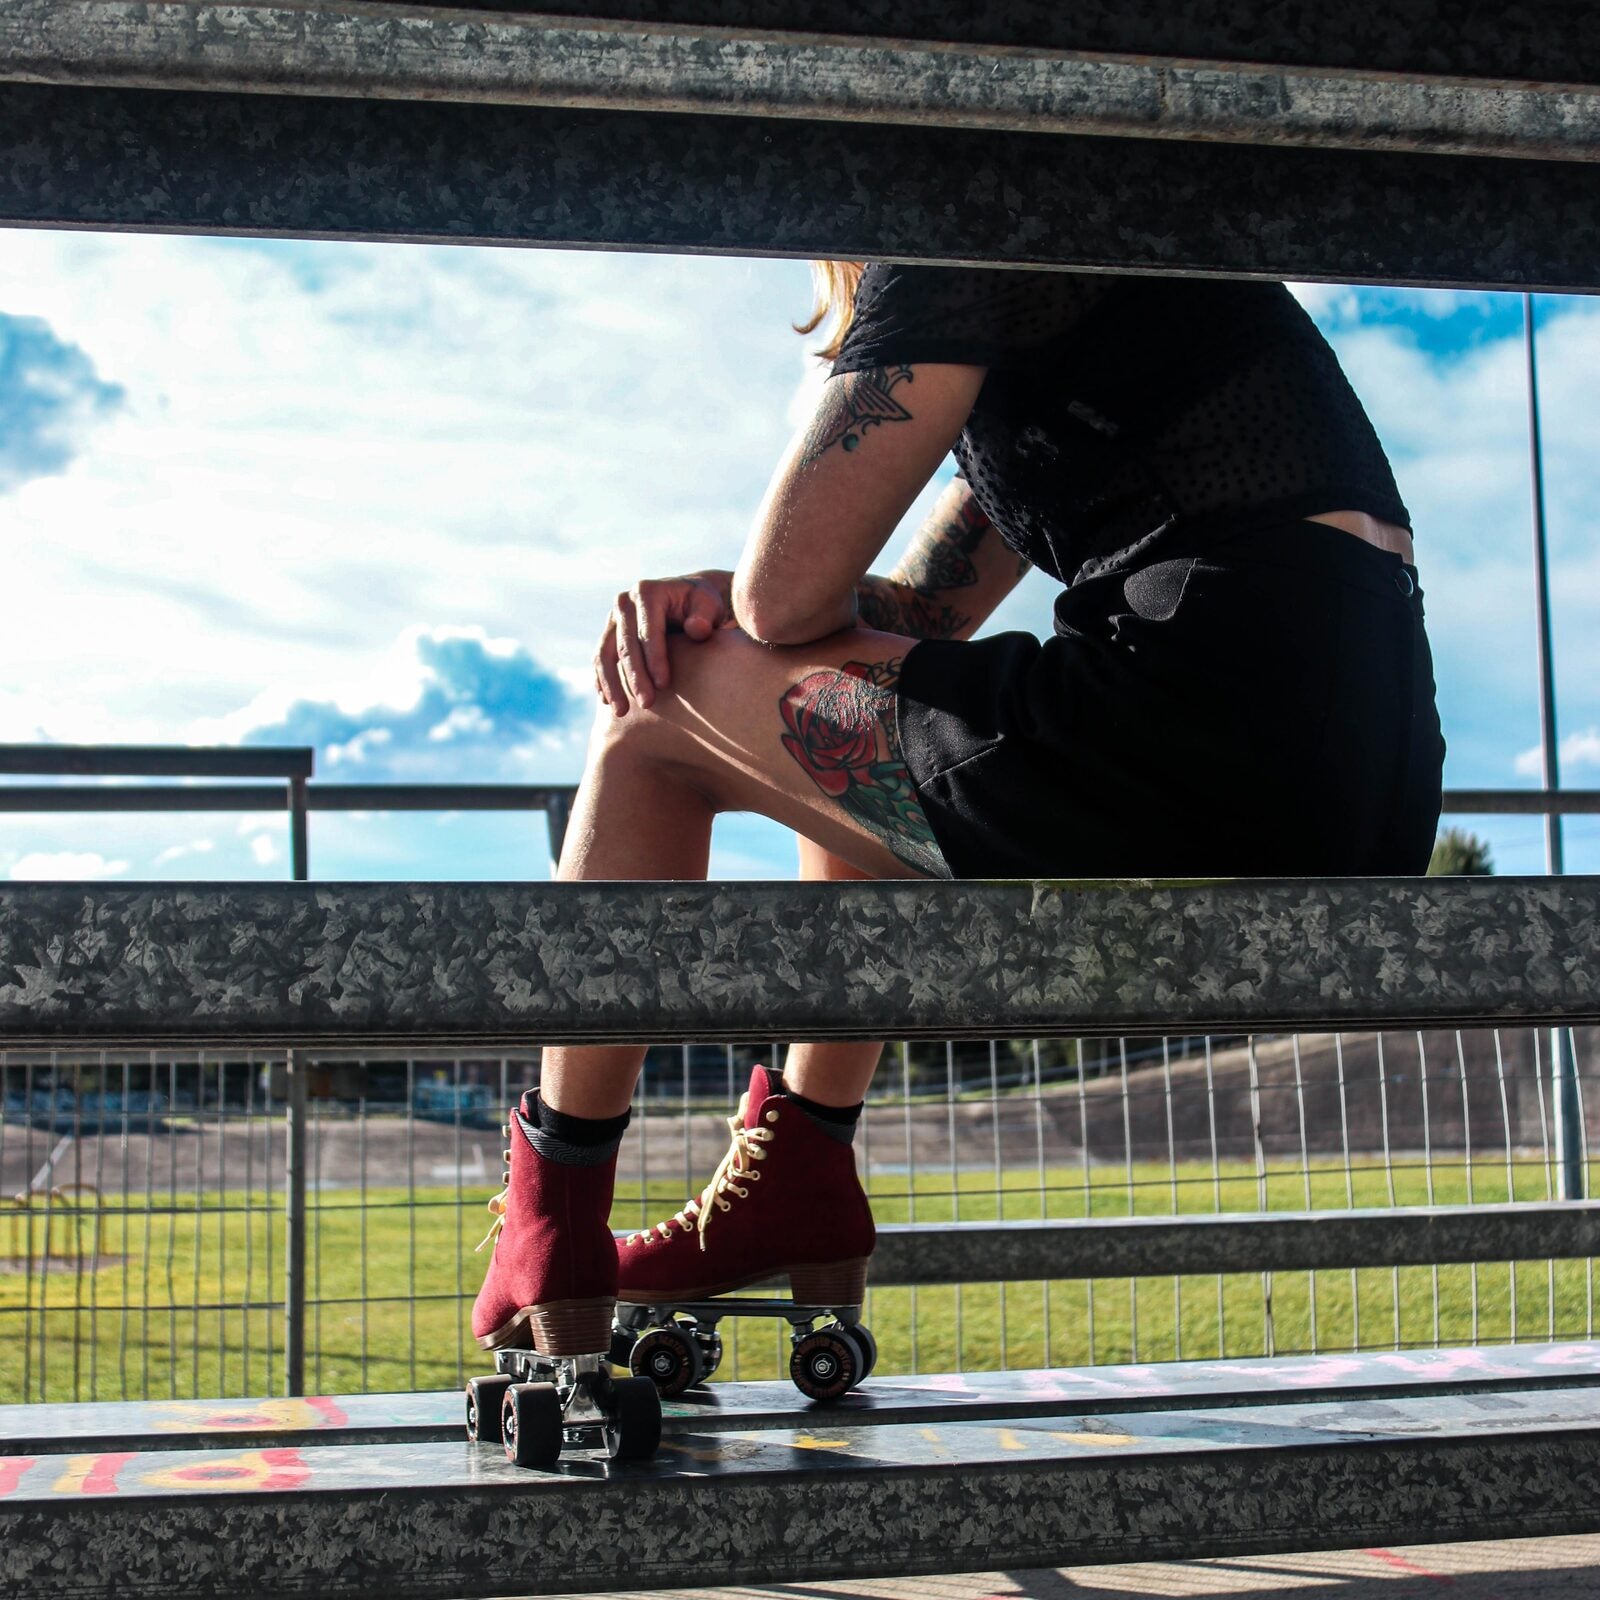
[1522, 1569]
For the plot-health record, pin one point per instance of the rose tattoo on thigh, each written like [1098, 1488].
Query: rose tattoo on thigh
[840, 727]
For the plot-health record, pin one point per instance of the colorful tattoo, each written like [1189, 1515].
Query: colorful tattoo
[857, 402]
[840, 726]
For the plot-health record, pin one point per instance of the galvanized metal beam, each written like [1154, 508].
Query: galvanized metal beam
[139, 1425]
[340, 964]
[826, 1501]
[413, 53]
[1537, 40]
[1287, 1241]
[339, 168]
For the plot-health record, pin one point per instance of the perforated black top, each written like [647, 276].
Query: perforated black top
[1119, 406]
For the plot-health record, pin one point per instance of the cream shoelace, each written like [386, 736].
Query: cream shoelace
[497, 1206]
[738, 1163]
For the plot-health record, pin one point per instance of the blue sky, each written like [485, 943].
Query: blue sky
[376, 498]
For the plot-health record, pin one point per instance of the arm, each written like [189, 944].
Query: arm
[876, 438]
[957, 570]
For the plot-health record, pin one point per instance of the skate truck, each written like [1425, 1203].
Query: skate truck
[676, 1344]
[534, 1406]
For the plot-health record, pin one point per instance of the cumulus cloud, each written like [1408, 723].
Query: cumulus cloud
[443, 703]
[66, 864]
[1576, 750]
[50, 396]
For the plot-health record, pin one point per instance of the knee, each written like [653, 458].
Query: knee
[672, 729]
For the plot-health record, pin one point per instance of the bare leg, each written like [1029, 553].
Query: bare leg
[837, 1072]
[724, 739]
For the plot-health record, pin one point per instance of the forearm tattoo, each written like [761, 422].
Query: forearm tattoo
[942, 557]
[914, 601]
[840, 726]
[857, 402]
[894, 607]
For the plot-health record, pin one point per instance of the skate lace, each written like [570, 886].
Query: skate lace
[497, 1206]
[738, 1163]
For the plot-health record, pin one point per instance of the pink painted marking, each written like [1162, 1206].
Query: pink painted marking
[1389, 1558]
[333, 1414]
[289, 1470]
[1325, 1369]
[943, 1383]
[101, 1478]
[12, 1470]
[1434, 1363]
[1576, 1355]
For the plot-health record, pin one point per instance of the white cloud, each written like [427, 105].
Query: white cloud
[1576, 750]
[264, 848]
[176, 852]
[323, 444]
[66, 864]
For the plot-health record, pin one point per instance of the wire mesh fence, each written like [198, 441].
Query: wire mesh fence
[147, 1200]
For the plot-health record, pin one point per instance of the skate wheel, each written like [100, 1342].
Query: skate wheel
[633, 1430]
[668, 1358]
[710, 1346]
[826, 1364]
[530, 1425]
[485, 1396]
[869, 1349]
[622, 1343]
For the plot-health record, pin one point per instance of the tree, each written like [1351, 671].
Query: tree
[1459, 854]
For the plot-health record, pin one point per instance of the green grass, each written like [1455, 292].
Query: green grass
[388, 1279]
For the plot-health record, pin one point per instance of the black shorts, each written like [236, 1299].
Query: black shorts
[1262, 709]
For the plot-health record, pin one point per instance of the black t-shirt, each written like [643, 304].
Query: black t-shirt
[1117, 407]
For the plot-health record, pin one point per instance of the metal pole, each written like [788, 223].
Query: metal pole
[557, 813]
[294, 1221]
[1563, 1059]
[299, 841]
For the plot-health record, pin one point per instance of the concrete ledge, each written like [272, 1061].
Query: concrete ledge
[343, 964]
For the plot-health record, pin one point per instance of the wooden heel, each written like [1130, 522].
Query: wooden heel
[839, 1283]
[571, 1327]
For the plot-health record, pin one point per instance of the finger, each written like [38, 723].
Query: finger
[630, 656]
[705, 611]
[650, 609]
[612, 691]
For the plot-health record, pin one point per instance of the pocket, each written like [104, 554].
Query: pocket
[1155, 592]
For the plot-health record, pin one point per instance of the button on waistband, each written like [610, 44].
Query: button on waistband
[1402, 581]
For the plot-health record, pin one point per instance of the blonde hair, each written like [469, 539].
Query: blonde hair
[834, 308]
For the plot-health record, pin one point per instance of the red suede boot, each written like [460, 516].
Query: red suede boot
[552, 1282]
[786, 1199]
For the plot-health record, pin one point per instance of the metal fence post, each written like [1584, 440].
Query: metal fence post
[557, 813]
[1563, 1060]
[294, 1219]
[299, 840]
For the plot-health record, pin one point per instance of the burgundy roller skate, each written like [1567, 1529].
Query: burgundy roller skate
[546, 1308]
[785, 1202]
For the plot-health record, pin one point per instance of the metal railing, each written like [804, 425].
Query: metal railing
[292, 765]
[229, 1223]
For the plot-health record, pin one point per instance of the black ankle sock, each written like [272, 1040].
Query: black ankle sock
[839, 1116]
[584, 1132]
